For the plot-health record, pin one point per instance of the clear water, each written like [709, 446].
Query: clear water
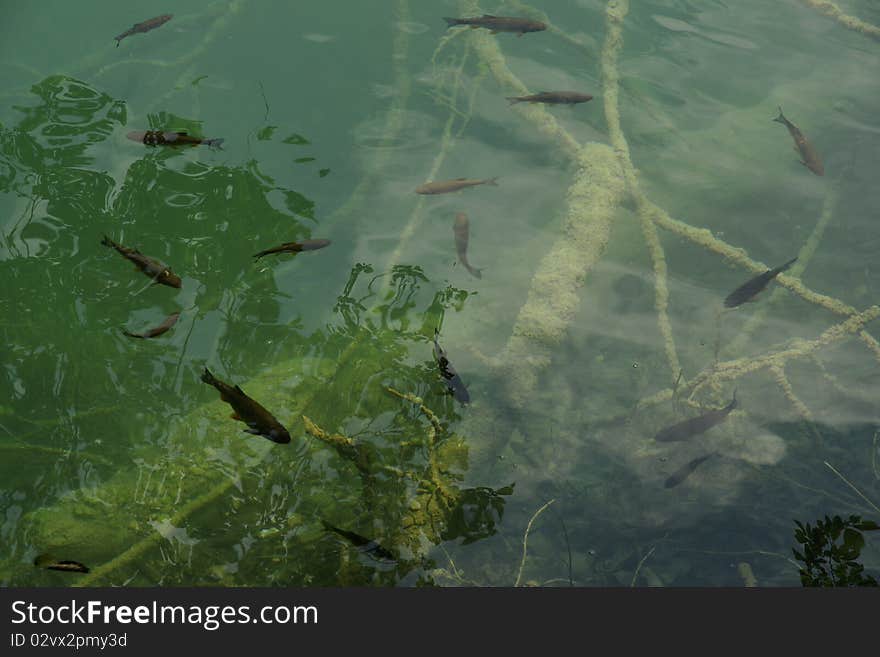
[115, 454]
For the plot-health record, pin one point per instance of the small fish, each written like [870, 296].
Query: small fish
[294, 247]
[810, 158]
[453, 380]
[170, 321]
[260, 421]
[696, 425]
[50, 562]
[685, 471]
[151, 267]
[167, 138]
[552, 98]
[461, 230]
[146, 26]
[753, 286]
[499, 24]
[445, 186]
[362, 543]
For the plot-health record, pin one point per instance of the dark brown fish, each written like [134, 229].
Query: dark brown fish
[260, 421]
[753, 286]
[446, 186]
[151, 267]
[363, 544]
[160, 138]
[552, 98]
[499, 24]
[170, 321]
[453, 380]
[146, 26]
[461, 228]
[50, 562]
[685, 471]
[809, 156]
[696, 425]
[294, 247]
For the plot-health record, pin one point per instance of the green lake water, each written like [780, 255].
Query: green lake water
[604, 272]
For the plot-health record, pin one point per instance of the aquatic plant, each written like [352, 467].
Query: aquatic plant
[830, 551]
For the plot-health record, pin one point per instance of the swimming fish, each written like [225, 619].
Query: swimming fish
[170, 321]
[461, 229]
[260, 421]
[498, 24]
[553, 98]
[160, 138]
[151, 267]
[294, 247]
[685, 471]
[810, 158]
[362, 543]
[695, 425]
[453, 380]
[754, 285]
[145, 26]
[50, 562]
[445, 186]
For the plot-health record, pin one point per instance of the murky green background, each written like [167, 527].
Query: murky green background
[113, 453]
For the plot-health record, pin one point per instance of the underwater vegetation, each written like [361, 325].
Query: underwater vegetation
[382, 467]
[830, 551]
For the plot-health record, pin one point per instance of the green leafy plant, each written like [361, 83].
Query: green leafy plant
[831, 550]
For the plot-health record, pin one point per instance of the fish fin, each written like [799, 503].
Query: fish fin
[236, 416]
[108, 242]
[513, 100]
[493, 181]
[475, 272]
[253, 432]
[520, 34]
[214, 143]
[207, 377]
[131, 335]
[181, 133]
[781, 117]
[450, 22]
[489, 16]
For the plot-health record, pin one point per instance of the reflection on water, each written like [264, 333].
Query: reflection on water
[116, 455]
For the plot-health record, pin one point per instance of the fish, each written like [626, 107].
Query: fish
[461, 230]
[363, 544]
[453, 380]
[145, 26]
[294, 247]
[260, 421]
[753, 286]
[695, 425]
[151, 267]
[498, 24]
[167, 138]
[170, 321]
[552, 98]
[50, 562]
[685, 471]
[445, 186]
[810, 158]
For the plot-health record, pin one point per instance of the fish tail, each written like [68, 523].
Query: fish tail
[214, 143]
[208, 378]
[782, 268]
[514, 99]
[476, 272]
[130, 334]
[259, 255]
[493, 181]
[450, 22]
[108, 242]
[781, 118]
